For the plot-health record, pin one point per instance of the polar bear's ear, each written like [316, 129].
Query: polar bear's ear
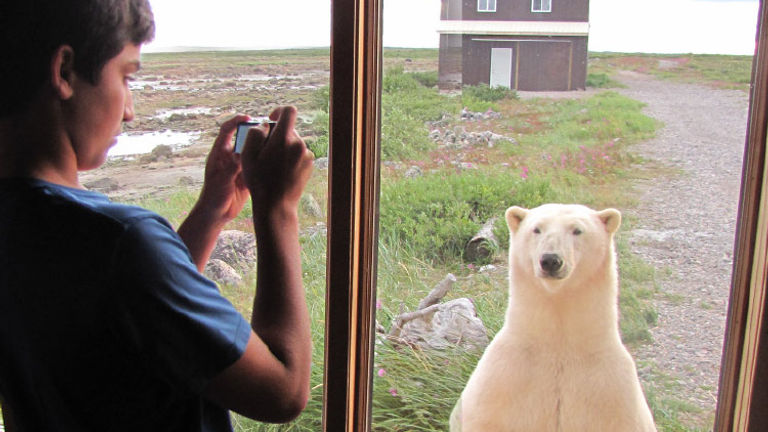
[514, 216]
[611, 218]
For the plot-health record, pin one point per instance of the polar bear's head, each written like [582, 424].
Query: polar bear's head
[557, 243]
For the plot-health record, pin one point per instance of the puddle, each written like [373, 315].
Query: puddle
[166, 114]
[154, 85]
[261, 77]
[133, 144]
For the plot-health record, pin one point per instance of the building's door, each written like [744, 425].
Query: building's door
[501, 67]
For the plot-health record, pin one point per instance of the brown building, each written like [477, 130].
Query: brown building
[532, 45]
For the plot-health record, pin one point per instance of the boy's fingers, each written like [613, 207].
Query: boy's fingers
[254, 141]
[286, 120]
[224, 139]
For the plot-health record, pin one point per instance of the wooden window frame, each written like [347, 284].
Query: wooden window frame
[487, 8]
[353, 186]
[744, 368]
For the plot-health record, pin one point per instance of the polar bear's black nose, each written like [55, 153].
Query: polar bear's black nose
[551, 263]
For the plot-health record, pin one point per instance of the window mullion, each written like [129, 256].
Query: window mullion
[353, 209]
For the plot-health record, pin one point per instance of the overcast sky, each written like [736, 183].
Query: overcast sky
[653, 26]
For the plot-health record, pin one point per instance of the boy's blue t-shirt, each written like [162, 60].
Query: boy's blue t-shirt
[105, 322]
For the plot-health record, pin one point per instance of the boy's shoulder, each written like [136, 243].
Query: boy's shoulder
[33, 195]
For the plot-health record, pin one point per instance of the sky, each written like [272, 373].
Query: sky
[650, 26]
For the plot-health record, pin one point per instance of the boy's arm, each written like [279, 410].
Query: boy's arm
[270, 382]
[223, 196]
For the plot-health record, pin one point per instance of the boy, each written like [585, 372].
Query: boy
[105, 320]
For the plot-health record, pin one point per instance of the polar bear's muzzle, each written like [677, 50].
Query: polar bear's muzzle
[552, 266]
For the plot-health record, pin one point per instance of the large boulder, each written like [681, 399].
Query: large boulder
[236, 248]
[443, 325]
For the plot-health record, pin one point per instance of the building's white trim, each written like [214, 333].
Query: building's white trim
[514, 28]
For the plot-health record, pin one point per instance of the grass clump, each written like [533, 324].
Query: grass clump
[486, 93]
[601, 80]
[426, 78]
[481, 97]
[435, 215]
[407, 105]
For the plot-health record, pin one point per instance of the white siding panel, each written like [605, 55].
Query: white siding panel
[514, 28]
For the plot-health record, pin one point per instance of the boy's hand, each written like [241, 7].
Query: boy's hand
[224, 193]
[276, 170]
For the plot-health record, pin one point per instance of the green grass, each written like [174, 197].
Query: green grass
[721, 71]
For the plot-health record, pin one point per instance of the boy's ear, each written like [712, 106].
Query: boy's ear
[63, 71]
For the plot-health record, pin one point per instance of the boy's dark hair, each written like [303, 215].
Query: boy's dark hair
[32, 30]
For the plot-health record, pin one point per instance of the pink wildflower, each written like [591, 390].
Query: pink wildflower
[382, 372]
[393, 392]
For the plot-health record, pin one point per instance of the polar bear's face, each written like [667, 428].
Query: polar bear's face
[556, 243]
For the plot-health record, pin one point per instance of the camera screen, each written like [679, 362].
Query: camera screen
[242, 132]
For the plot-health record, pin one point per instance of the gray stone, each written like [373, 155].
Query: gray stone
[310, 206]
[450, 324]
[222, 273]
[413, 172]
[236, 248]
[103, 185]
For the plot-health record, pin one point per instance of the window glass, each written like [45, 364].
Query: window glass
[486, 5]
[457, 153]
[246, 61]
[541, 6]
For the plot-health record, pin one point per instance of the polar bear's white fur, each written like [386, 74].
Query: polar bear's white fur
[557, 364]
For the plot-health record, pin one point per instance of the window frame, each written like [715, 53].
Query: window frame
[353, 187]
[353, 191]
[487, 8]
[541, 9]
[743, 374]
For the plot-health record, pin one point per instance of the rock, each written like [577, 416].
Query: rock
[310, 206]
[438, 325]
[321, 163]
[222, 273]
[103, 185]
[319, 229]
[186, 181]
[413, 172]
[487, 268]
[236, 248]
[161, 151]
[450, 324]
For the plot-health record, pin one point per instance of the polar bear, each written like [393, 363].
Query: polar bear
[558, 363]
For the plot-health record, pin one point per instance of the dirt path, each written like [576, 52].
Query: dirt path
[685, 227]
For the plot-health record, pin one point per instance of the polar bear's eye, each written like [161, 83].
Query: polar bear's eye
[576, 231]
[536, 230]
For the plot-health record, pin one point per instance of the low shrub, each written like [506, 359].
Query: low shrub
[427, 79]
[485, 93]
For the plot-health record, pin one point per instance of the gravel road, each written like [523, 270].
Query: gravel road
[686, 221]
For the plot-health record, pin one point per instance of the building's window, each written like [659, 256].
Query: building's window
[541, 6]
[486, 5]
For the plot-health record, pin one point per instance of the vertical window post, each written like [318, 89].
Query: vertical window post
[353, 190]
[744, 368]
